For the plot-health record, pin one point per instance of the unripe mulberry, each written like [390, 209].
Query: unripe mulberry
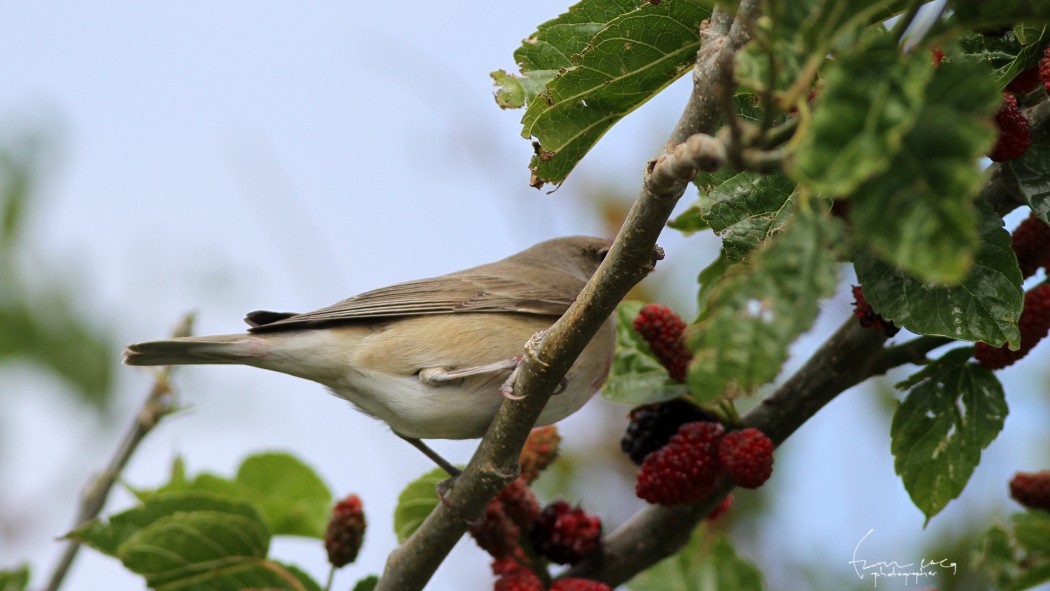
[540, 451]
[1032, 489]
[345, 532]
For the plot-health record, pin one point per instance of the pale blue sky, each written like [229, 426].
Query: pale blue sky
[225, 157]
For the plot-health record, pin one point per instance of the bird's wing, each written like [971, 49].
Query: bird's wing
[467, 291]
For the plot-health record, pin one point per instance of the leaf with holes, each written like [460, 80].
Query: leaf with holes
[623, 65]
[953, 410]
[758, 307]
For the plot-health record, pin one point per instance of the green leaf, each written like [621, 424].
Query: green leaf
[760, 306]
[953, 410]
[796, 39]
[1032, 531]
[994, 555]
[689, 221]
[514, 92]
[701, 566]
[185, 545]
[692, 219]
[1008, 54]
[929, 187]
[416, 502]
[708, 278]
[15, 580]
[984, 307]
[293, 498]
[1033, 175]
[109, 537]
[748, 209]
[1017, 559]
[857, 128]
[980, 14]
[291, 495]
[194, 540]
[627, 62]
[637, 377]
[367, 584]
[550, 50]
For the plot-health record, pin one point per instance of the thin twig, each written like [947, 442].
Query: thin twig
[157, 405]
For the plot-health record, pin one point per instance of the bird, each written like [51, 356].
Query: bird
[428, 357]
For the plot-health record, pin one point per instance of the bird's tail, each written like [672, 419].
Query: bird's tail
[220, 349]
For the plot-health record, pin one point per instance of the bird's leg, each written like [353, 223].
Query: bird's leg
[433, 455]
[453, 472]
[440, 375]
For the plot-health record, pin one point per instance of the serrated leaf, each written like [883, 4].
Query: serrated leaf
[953, 410]
[798, 36]
[416, 502]
[550, 50]
[701, 566]
[108, 537]
[15, 579]
[748, 209]
[1008, 54]
[692, 219]
[637, 377]
[1033, 175]
[554, 43]
[984, 307]
[930, 184]
[291, 495]
[857, 128]
[627, 62]
[760, 306]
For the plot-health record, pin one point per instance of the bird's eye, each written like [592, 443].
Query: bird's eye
[602, 252]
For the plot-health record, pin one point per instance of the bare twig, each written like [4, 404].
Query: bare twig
[156, 406]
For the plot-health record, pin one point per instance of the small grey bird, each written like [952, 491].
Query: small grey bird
[427, 357]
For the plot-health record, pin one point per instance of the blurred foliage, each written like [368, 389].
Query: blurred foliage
[40, 316]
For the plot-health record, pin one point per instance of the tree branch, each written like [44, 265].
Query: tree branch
[630, 259]
[156, 406]
[847, 358]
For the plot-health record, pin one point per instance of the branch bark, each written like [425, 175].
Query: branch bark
[632, 256]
